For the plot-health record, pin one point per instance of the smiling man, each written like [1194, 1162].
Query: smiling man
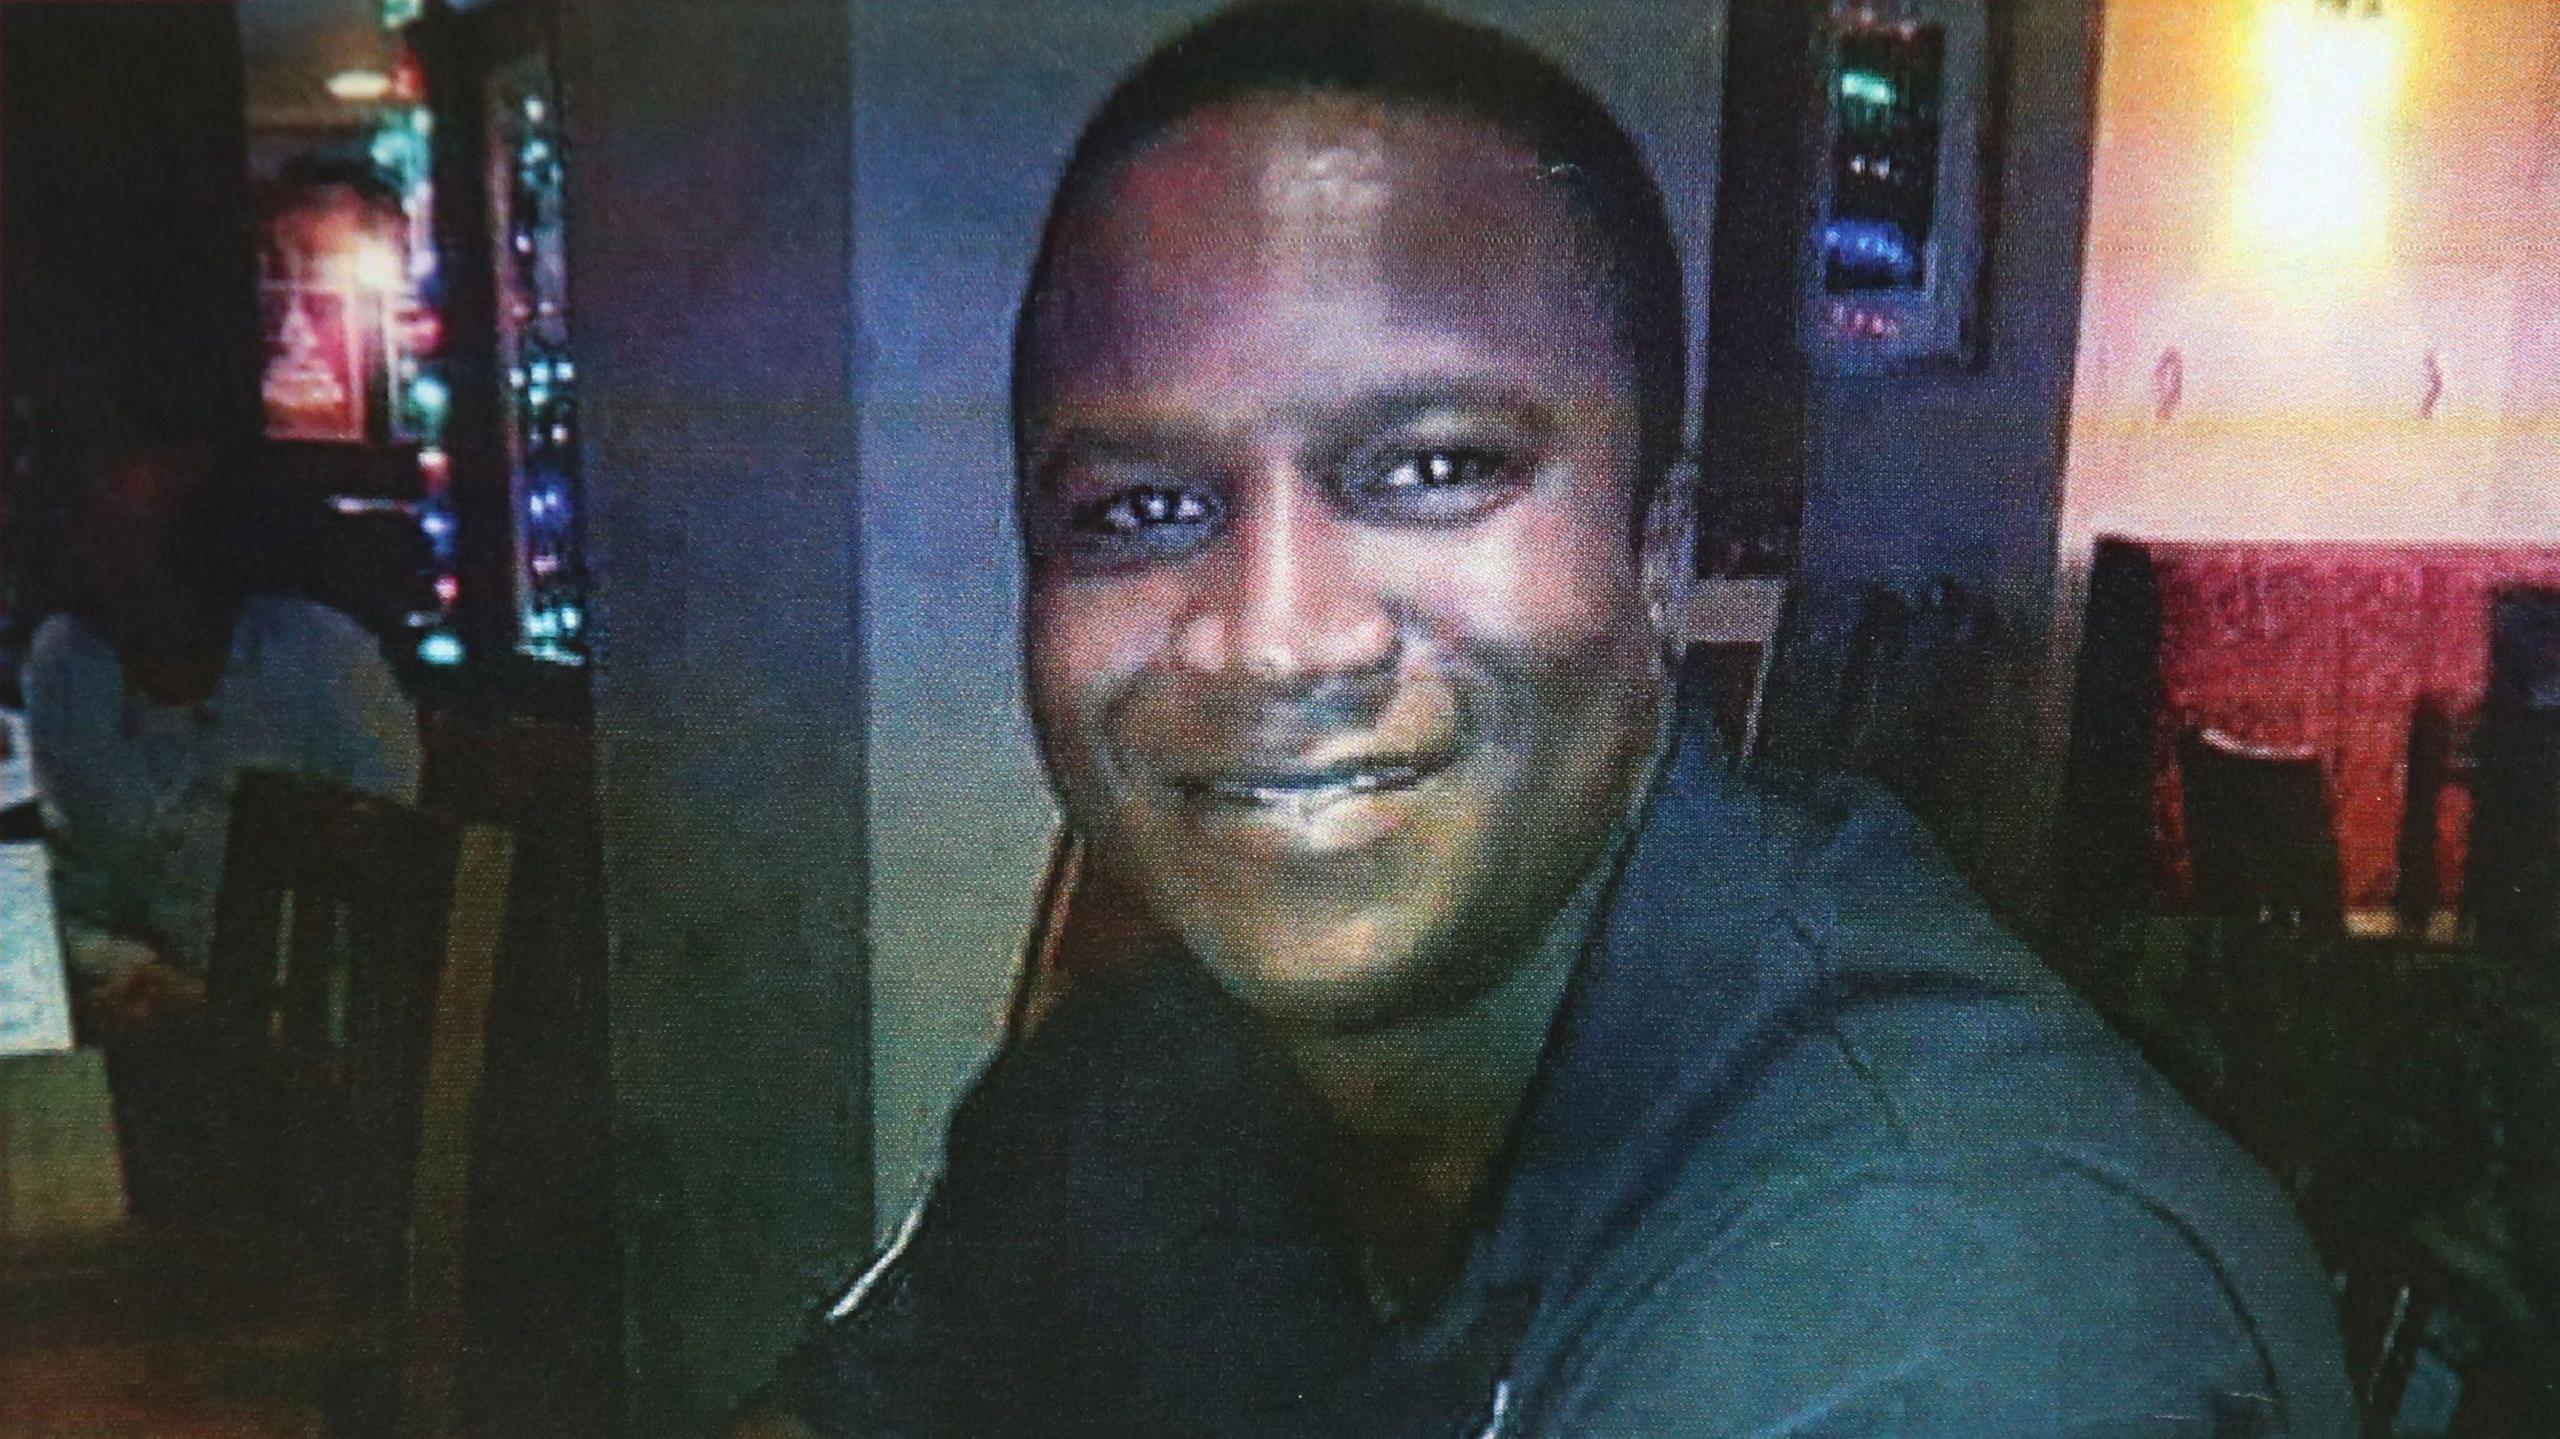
[1493, 1060]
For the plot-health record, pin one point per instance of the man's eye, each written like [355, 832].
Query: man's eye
[1441, 470]
[1144, 511]
[1435, 484]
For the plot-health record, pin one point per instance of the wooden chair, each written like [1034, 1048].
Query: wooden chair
[354, 955]
[2266, 880]
[2511, 890]
[1083, 923]
[2259, 835]
[1728, 642]
[2440, 764]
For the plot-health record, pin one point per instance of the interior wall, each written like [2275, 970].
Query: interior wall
[2322, 272]
[964, 112]
[710, 193]
[1917, 478]
[1958, 473]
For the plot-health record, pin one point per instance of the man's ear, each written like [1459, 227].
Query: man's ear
[1667, 549]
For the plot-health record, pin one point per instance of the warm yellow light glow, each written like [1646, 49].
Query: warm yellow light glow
[359, 87]
[2315, 187]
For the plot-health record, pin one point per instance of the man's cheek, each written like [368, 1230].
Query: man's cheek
[1516, 598]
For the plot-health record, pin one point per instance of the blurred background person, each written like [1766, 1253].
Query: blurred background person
[163, 677]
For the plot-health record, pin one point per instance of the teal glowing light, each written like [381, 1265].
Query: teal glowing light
[400, 151]
[429, 400]
[440, 648]
[1866, 85]
[396, 13]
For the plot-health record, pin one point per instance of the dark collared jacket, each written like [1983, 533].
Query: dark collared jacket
[1816, 1148]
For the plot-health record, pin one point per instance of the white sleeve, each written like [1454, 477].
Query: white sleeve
[92, 797]
[74, 704]
[367, 728]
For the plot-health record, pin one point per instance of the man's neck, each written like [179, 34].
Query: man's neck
[1454, 1077]
[1423, 1108]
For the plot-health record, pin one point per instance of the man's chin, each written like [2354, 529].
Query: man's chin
[1346, 992]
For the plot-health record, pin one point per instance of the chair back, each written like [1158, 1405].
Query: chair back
[2259, 834]
[1728, 642]
[1085, 922]
[2512, 889]
[354, 954]
[2438, 767]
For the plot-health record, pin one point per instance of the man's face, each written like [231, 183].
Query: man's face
[1336, 637]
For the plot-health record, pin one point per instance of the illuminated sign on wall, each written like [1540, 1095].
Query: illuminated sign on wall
[1893, 269]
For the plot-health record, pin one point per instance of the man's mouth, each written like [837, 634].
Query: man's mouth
[1305, 791]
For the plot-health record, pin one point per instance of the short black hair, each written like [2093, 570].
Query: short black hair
[1403, 54]
[84, 421]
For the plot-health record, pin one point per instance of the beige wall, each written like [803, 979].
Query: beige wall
[710, 193]
[2343, 229]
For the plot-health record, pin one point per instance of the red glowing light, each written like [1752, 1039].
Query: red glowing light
[421, 331]
[1857, 322]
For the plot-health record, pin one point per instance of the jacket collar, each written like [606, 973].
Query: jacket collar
[1702, 949]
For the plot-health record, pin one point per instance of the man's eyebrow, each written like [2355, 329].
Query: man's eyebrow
[1115, 441]
[1136, 436]
[1408, 404]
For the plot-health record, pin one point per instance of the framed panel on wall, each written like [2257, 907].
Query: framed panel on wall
[1902, 187]
[505, 389]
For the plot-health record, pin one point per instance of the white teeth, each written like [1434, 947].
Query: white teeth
[1305, 797]
[1310, 796]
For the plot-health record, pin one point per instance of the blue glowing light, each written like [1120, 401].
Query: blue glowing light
[440, 648]
[1870, 246]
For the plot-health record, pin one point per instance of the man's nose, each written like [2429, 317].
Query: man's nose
[1293, 603]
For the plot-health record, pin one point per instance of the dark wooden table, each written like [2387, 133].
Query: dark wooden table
[163, 1334]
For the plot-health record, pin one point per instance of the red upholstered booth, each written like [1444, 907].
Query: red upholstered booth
[2330, 646]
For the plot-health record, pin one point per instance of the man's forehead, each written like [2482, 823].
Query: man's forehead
[1292, 162]
[1296, 137]
[1288, 234]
